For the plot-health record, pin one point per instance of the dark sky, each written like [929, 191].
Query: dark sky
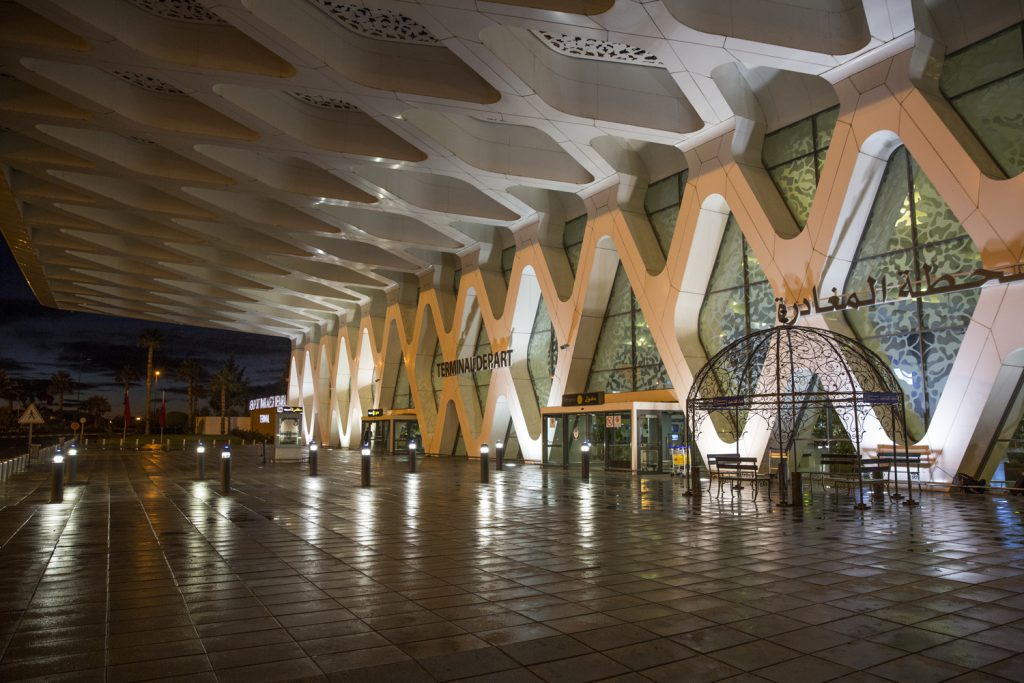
[36, 342]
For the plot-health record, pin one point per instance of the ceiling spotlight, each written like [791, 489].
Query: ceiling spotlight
[321, 252]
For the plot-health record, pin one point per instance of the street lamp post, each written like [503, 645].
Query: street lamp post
[149, 408]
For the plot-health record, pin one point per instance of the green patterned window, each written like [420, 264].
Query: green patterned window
[739, 299]
[911, 226]
[794, 157]
[625, 358]
[403, 394]
[542, 354]
[436, 381]
[661, 203]
[508, 257]
[985, 84]
[482, 378]
[572, 240]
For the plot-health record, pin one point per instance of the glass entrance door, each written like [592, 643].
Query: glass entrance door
[649, 442]
[377, 430]
[404, 431]
[618, 440]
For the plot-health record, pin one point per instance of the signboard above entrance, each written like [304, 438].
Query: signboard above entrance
[592, 398]
[374, 412]
[267, 402]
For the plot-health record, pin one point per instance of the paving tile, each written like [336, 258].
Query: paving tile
[806, 669]
[592, 667]
[918, 669]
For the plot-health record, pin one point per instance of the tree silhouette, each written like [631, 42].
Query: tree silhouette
[229, 383]
[96, 406]
[60, 384]
[149, 339]
[191, 372]
[127, 376]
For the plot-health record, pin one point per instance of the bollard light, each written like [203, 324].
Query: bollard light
[57, 478]
[73, 451]
[200, 461]
[585, 461]
[499, 455]
[313, 459]
[484, 451]
[365, 464]
[72, 463]
[200, 449]
[225, 470]
[412, 455]
[313, 447]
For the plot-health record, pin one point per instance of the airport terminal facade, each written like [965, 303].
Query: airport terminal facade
[680, 182]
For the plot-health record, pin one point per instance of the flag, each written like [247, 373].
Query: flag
[163, 410]
[127, 407]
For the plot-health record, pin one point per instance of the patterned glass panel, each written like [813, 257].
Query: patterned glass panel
[911, 230]
[985, 84]
[482, 379]
[794, 157]
[508, 257]
[572, 239]
[797, 181]
[739, 299]
[403, 394]
[436, 381]
[662, 203]
[541, 360]
[626, 358]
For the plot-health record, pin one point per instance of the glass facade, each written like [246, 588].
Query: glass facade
[985, 84]
[542, 354]
[482, 379]
[435, 381]
[739, 299]
[572, 240]
[508, 257]
[403, 393]
[794, 157]
[911, 230]
[661, 203]
[626, 358]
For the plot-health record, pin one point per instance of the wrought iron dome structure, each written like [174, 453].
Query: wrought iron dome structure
[778, 374]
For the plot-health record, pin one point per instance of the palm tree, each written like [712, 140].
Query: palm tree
[149, 339]
[191, 372]
[97, 407]
[9, 391]
[228, 382]
[60, 384]
[127, 376]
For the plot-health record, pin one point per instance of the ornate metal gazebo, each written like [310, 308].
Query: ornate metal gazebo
[779, 373]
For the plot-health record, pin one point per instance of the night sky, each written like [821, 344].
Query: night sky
[36, 341]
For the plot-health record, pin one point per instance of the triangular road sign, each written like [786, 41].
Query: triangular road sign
[31, 416]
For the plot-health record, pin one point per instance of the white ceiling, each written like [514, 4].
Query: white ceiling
[265, 165]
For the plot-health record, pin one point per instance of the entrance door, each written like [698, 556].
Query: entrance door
[378, 431]
[404, 431]
[649, 442]
[618, 440]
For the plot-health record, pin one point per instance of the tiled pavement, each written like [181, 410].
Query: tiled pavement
[143, 573]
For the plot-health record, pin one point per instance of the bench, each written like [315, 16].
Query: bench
[737, 469]
[921, 458]
[848, 470]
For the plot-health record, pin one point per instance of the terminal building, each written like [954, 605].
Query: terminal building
[534, 221]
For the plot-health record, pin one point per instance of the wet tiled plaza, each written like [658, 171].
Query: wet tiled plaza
[143, 573]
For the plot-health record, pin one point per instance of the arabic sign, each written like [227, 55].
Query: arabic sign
[593, 398]
[720, 402]
[268, 402]
[881, 398]
[374, 412]
[879, 291]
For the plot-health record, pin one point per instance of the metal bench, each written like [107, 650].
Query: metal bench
[737, 469]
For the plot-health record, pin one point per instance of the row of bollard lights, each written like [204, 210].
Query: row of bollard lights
[57, 475]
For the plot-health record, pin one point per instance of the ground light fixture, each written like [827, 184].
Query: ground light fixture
[314, 458]
[585, 461]
[499, 455]
[365, 464]
[72, 463]
[225, 470]
[57, 478]
[412, 455]
[200, 461]
[484, 451]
